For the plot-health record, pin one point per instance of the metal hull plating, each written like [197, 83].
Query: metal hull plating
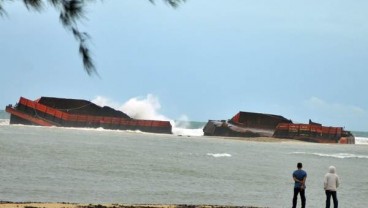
[248, 124]
[48, 111]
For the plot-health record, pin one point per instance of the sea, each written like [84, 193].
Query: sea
[53, 164]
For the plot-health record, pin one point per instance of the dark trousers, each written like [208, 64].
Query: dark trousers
[334, 198]
[302, 196]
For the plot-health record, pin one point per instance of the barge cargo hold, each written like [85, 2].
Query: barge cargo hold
[245, 124]
[314, 132]
[64, 112]
[248, 124]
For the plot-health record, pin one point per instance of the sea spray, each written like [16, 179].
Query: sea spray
[149, 108]
[4, 121]
[361, 140]
[144, 108]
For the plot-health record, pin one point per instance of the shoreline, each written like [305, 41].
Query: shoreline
[6, 204]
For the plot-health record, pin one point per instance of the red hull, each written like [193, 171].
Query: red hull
[35, 113]
[314, 132]
[248, 124]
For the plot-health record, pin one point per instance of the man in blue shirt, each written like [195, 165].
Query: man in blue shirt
[299, 177]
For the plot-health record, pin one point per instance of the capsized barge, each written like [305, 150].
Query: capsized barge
[64, 112]
[245, 124]
[249, 124]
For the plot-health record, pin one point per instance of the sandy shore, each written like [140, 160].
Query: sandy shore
[72, 205]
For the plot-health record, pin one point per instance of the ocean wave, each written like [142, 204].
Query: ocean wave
[4, 122]
[100, 129]
[336, 155]
[219, 154]
[187, 132]
[361, 140]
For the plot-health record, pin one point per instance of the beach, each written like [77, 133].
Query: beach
[110, 168]
[74, 205]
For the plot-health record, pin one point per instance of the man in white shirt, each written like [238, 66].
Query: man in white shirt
[331, 183]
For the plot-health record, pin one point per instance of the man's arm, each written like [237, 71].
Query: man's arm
[304, 179]
[300, 181]
[325, 182]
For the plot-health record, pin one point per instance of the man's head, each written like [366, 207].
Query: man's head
[332, 169]
[299, 165]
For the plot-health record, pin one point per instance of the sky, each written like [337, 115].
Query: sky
[207, 59]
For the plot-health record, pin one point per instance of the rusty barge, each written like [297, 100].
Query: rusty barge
[64, 112]
[249, 124]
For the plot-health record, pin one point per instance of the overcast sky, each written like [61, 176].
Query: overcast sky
[208, 59]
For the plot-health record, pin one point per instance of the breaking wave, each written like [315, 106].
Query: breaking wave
[148, 108]
[219, 154]
[336, 155]
[4, 122]
[361, 140]
[187, 132]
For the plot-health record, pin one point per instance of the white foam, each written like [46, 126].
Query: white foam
[361, 140]
[4, 122]
[148, 108]
[143, 108]
[187, 132]
[335, 155]
[181, 127]
[100, 129]
[219, 154]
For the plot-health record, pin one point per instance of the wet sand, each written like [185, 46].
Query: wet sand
[73, 205]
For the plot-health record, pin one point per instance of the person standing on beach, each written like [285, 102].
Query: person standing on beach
[299, 176]
[331, 183]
